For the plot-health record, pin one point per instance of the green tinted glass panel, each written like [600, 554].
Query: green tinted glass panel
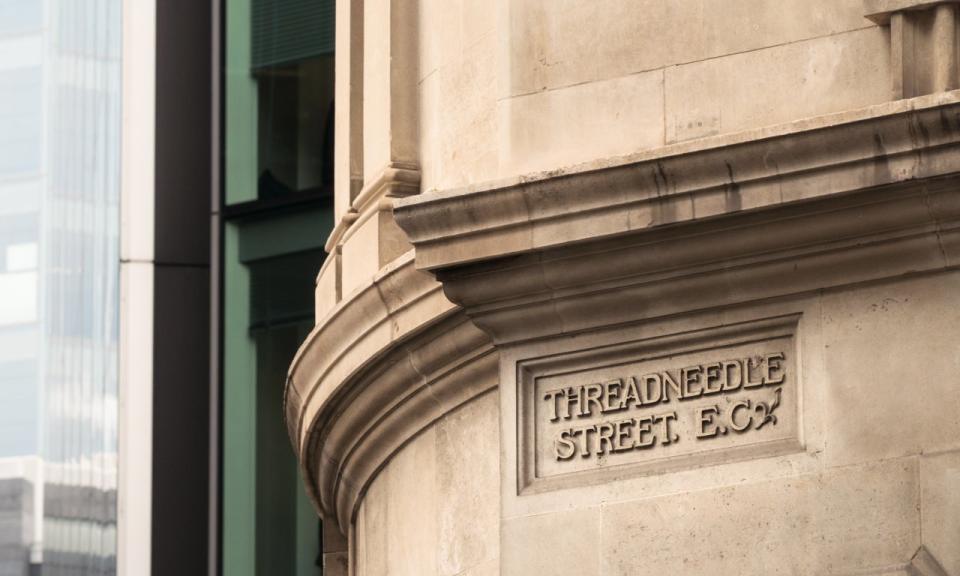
[269, 525]
[289, 30]
[279, 81]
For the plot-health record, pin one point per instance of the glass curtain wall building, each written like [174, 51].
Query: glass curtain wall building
[60, 96]
[277, 211]
[77, 361]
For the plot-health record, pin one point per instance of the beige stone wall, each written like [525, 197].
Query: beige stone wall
[726, 144]
[434, 510]
[879, 476]
[511, 87]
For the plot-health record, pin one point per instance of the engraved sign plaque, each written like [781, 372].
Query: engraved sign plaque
[651, 406]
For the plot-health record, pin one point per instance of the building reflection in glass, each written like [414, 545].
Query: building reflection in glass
[60, 90]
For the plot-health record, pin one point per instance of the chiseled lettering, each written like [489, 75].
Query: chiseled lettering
[611, 402]
[632, 397]
[623, 432]
[670, 383]
[774, 374]
[553, 397]
[713, 381]
[572, 398]
[731, 382]
[667, 436]
[651, 390]
[690, 378]
[615, 437]
[645, 431]
[604, 438]
[645, 427]
[738, 422]
[706, 425]
[593, 396]
[565, 447]
[750, 365]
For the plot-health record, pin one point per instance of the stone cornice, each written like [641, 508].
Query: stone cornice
[695, 181]
[391, 358]
[902, 229]
[880, 11]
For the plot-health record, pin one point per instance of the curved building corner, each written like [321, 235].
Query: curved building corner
[639, 288]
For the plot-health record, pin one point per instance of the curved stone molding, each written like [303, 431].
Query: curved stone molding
[386, 362]
[904, 229]
[395, 180]
[405, 392]
[801, 161]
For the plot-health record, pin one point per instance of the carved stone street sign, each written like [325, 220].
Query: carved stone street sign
[682, 400]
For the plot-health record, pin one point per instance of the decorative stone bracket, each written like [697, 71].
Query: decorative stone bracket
[923, 44]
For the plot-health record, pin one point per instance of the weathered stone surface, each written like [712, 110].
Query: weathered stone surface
[565, 544]
[832, 523]
[561, 44]
[545, 130]
[412, 497]
[620, 188]
[891, 387]
[371, 244]
[468, 482]
[832, 74]
[434, 508]
[940, 508]
[459, 130]
[327, 290]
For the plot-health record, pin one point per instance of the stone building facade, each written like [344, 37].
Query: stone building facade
[639, 287]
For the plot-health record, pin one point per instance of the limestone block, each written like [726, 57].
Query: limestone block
[566, 126]
[940, 493]
[348, 127]
[491, 568]
[371, 531]
[430, 126]
[395, 529]
[390, 101]
[892, 353]
[439, 34]
[840, 522]
[560, 544]
[468, 481]
[376, 81]
[468, 135]
[412, 509]
[478, 18]
[369, 244]
[359, 255]
[434, 508]
[459, 129]
[450, 27]
[777, 85]
[556, 44]
[327, 291]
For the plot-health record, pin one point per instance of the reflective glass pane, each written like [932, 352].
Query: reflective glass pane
[59, 284]
[269, 525]
[279, 98]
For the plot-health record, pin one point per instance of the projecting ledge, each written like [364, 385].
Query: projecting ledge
[693, 181]
[880, 11]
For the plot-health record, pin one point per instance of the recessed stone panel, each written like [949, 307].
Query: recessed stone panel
[651, 406]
